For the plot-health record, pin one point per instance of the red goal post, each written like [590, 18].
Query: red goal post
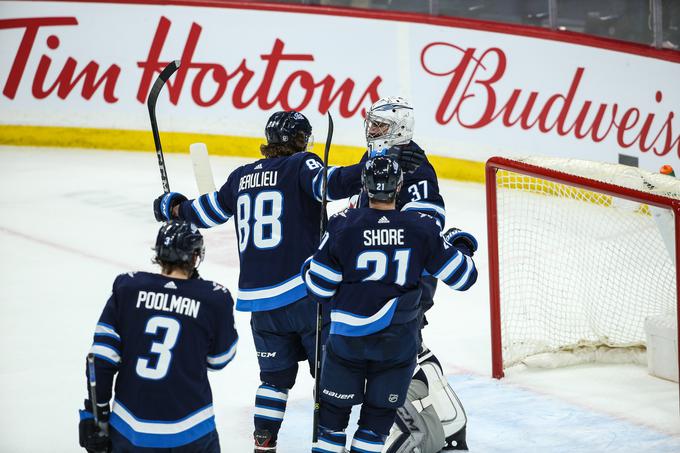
[530, 175]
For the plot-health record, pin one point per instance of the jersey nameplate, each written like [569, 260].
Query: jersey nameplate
[255, 180]
[384, 237]
[165, 302]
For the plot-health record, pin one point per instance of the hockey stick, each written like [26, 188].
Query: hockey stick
[93, 386]
[92, 380]
[151, 103]
[319, 317]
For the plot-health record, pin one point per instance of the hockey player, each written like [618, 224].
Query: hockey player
[276, 205]
[389, 131]
[368, 269]
[160, 333]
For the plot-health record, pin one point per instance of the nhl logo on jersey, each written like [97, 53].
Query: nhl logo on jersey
[393, 398]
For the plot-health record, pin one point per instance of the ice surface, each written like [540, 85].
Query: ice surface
[70, 220]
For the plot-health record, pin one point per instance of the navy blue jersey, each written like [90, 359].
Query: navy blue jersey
[420, 192]
[161, 335]
[276, 205]
[370, 260]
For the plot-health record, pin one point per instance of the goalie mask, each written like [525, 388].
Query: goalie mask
[381, 179]
[178, 242]
[388, 122]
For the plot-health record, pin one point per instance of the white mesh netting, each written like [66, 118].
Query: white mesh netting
[579, 268]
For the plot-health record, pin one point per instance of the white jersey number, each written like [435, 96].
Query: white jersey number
[416, 193]
[378, 261]
[163, 348]
[266, 215]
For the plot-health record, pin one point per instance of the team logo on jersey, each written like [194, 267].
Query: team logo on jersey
[393, 398]
[170, 285]
[383, 219]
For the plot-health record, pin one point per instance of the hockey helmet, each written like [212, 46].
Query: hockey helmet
[381, 178]
[388, 122]
[178, 242]
[282, 127]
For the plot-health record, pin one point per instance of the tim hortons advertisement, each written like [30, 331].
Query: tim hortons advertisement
[475, 93]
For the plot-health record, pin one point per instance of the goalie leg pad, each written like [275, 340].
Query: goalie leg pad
[442, 397]
[416, 429]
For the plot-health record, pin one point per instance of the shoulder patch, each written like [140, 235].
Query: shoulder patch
[342, 213]
[218, 287]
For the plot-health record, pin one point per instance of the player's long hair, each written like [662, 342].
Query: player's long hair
[284, 149]
[187, 267]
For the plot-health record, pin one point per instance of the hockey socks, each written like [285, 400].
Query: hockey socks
[270, 407]
[366, 441]
[330, 441]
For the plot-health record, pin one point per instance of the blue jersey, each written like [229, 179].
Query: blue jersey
[161, 335]
[420, 192]
[370, 261]
[277, 210]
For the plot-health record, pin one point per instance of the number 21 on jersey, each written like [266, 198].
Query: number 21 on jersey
[378, 261]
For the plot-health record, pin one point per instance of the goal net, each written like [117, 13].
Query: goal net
[581, 253]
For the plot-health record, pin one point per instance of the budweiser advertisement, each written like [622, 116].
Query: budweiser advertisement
[476, 92]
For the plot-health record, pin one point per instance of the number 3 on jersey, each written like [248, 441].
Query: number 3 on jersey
[263, 217]
[163, 349]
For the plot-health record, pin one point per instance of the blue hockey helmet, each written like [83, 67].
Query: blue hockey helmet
[178, 242]
[283, 127]
[381, 178]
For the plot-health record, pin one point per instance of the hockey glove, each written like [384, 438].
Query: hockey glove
[461, 240]
[409, 156]
[163, 205]
[93, 438]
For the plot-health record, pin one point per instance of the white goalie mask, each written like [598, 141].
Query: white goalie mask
[388, 122]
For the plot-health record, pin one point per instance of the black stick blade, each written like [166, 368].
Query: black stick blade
[163, 77]
[165, 74]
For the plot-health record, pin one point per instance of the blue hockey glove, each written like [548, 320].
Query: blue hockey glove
[91, 437]
[461, 240]
[162, 206]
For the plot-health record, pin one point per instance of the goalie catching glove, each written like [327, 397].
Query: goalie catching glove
[461, 240]
[163, 205]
